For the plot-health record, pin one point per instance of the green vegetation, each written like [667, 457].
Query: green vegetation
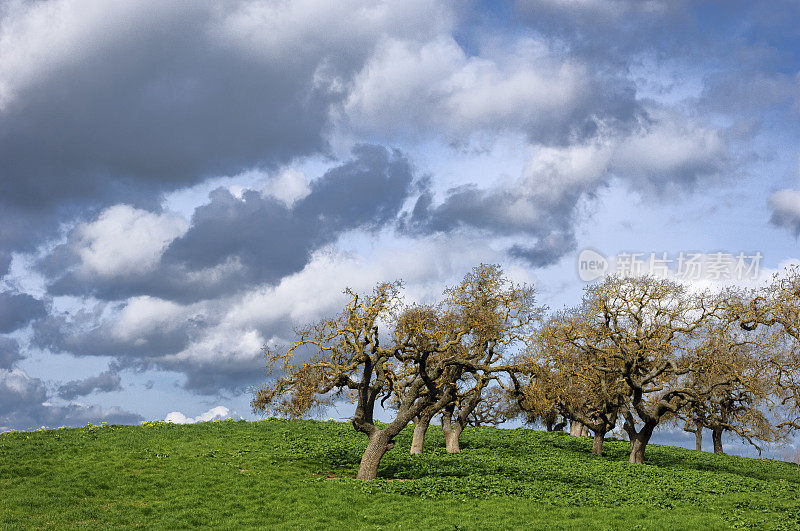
[300, 475]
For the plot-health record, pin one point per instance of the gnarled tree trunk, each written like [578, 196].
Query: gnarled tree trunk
[578, 429]
[639, 442]
[597, 442]
[716, 436]
[421, 424]
[452, 432]
[379, 444]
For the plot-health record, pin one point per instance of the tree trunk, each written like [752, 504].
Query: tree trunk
[378, 445]
[452, 433]
[639, 443]
[420, 428]
[451, 440]
[578, 429]
[716, 436]
[597, 443]
[698, 439]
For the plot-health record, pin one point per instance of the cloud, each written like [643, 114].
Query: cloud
[124, 241]
[666, 153]
[9, 352]
[18, 309]
[599, 11]
[612, 31]
[24, 405]
[411, 87]
[103, 382]
[288, 186]
[670, 152]
[139, 327]
[216, 413]
[235, 240]
[785, 207]
[272, 240]
[110, 112]
[104, 104]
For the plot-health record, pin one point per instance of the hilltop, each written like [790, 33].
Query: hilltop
[299, 474]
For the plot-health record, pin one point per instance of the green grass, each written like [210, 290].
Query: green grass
[298, 475]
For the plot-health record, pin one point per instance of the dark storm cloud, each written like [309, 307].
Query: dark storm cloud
[86, 333]
[103, 382]
[273, 240]
[24, 405]
[139, 106]
[18, 309]
[267, 238]
[259, 237]
[211, 378]
[9, 352]
[105, 103]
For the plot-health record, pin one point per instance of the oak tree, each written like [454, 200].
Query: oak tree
[777, 307]
[733, 366]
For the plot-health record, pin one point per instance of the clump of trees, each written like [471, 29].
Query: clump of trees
[381, 348]
[639, 352]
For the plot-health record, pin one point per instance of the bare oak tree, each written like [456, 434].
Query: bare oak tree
[777, 307]
[571, 374]
[733, 367]
[504, 314]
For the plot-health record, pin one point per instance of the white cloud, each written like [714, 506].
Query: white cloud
[411, 86]
[551, 172]
[670, 149]
[215, 413]
[425, 266]
[141, 315]
[310, 28]
[667, 152]
[125, 240]
[288, 185]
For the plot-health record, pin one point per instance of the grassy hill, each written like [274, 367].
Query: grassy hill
[282, 474]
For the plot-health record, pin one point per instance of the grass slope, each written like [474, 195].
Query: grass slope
[282, 474]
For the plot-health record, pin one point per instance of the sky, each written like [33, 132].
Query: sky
[182, 183]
